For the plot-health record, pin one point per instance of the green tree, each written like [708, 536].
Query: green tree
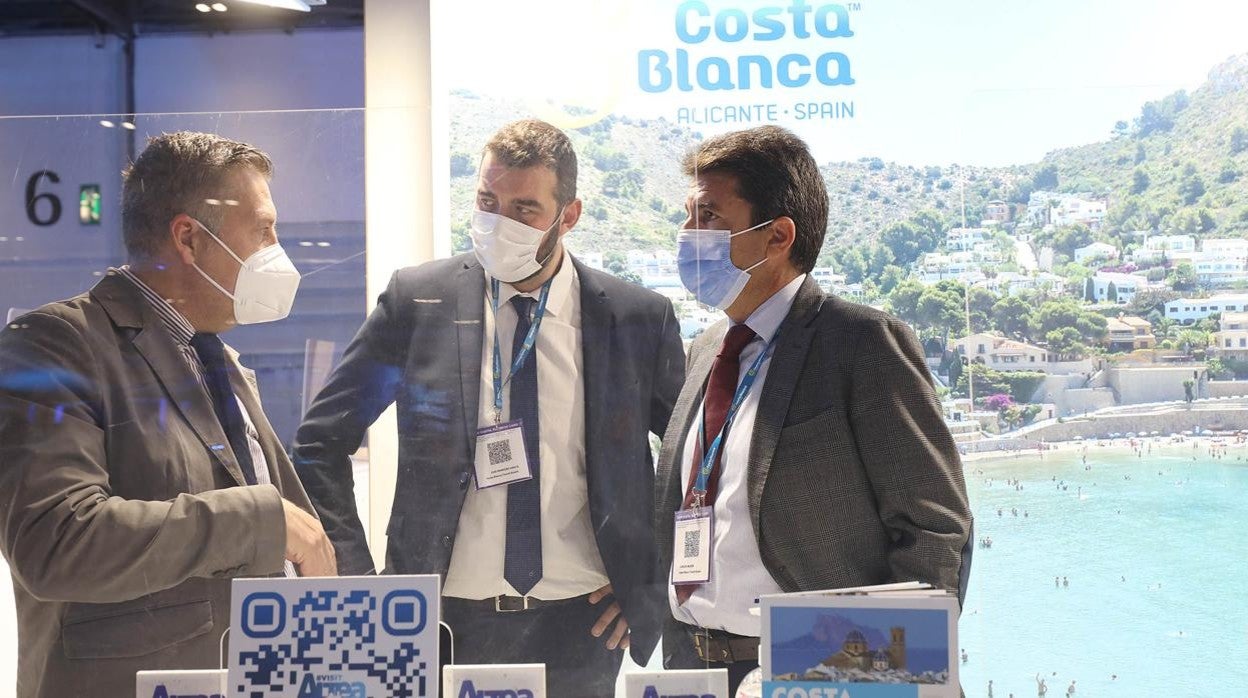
[981, 302]
[1139, 181]
[891, 277]
[1066, 342]
[461, 165]
[1012, 316]
[941, 309]
[903, 301]
[1188, 390]
[1045, 178]
[1192, 187]
[1068, 314]
[1239, 140]
[1182, 277]
[1111, 293]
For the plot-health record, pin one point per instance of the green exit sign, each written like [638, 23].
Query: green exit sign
[89, 204]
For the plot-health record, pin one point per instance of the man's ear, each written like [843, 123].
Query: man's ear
[571, 214]
[183, 239]
[783, 234]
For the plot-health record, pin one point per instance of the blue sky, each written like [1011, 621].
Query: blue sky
[981, 82]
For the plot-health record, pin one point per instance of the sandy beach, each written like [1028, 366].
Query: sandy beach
[1167, 445]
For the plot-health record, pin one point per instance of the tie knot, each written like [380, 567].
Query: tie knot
[735, 341]
[523, 305]
[208, 346]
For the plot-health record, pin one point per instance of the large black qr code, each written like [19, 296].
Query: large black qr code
[499, 451]
[693, 544]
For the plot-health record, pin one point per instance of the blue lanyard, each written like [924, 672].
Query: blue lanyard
[526, 348]
[708, 459]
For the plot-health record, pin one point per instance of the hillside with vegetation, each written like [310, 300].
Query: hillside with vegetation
[1178, 167]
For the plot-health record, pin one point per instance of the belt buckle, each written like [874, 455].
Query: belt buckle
[505, 604]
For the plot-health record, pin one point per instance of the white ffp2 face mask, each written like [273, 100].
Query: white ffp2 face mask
[508, 248]
[265, 288]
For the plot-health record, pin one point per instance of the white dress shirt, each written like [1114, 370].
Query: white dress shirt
[571, 563]
[737, 572]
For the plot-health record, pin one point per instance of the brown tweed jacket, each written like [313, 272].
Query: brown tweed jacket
[123, 514]
[853, 477]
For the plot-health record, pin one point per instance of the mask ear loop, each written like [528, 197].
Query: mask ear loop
[765, 257]
[558, 219]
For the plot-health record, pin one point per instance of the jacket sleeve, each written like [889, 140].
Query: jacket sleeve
[669, 372]
[66, 535]
[910, 457]
[359, 389]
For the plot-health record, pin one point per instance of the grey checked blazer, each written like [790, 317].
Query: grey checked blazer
[853, 477]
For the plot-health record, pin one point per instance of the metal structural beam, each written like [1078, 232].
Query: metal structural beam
[110, 16]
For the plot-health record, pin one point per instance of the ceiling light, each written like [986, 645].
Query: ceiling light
[106, 123]
[128, 125]
[219, 6]
[299, 5]
[202, 7]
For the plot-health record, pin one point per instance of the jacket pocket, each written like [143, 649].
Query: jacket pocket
[137, 632]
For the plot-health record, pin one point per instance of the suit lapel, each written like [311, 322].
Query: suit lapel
[597, 328]
[784, 369]
[127, 307]
[685, 414]
[469, 289]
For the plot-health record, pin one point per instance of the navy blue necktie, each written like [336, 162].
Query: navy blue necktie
[211, 352]
[522, 560]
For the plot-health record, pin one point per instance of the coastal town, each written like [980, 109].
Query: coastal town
[1037, 329]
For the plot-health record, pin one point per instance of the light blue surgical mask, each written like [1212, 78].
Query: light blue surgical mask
[704, 258]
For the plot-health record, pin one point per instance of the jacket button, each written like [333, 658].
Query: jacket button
[446, 541]
[464, 477]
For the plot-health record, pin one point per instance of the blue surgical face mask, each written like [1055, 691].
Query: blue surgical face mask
[704, 258]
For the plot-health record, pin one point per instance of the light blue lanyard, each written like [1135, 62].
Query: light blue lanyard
[708, 459]
[526, 348]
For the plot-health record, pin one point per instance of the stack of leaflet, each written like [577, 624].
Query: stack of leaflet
[886, 641]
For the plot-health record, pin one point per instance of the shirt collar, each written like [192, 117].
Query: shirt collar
[767, 318]
[560, 289]
[174, 321]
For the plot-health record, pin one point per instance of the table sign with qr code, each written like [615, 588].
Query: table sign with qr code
[205, 683]
[500, 456]
[359, 637]
[687, 683]
[494, 681]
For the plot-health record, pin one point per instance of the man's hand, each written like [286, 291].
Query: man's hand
[618, 639]
[307, 545]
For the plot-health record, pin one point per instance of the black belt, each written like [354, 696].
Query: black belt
[721, 646]
[512, 604]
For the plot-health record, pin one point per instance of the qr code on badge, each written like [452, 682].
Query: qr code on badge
[327, 643]
[693, 544]
[500, 452]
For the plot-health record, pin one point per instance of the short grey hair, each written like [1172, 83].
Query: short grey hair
[179, 173]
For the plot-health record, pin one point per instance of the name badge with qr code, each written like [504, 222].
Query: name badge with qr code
[691, 554]
[500, 457]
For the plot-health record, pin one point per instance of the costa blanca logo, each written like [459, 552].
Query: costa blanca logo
[470, 691]
[697, 22]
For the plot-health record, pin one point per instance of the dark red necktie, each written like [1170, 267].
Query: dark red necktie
[720, 388]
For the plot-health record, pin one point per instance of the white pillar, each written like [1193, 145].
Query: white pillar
[398, 151]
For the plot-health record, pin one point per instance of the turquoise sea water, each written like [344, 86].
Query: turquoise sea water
[1176, 530]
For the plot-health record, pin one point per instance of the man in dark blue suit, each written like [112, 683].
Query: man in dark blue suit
[527, 385]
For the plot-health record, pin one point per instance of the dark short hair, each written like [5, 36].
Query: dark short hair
[181, 172]
[529, 143]
[777, 176]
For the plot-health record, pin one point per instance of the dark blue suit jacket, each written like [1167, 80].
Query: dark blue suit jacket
[421, 349]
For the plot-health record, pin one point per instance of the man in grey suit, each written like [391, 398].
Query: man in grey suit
[138, 473]
[527, 385]
[807, 449]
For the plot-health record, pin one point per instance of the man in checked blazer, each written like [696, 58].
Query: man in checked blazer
[127, 504]
[836, 469]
